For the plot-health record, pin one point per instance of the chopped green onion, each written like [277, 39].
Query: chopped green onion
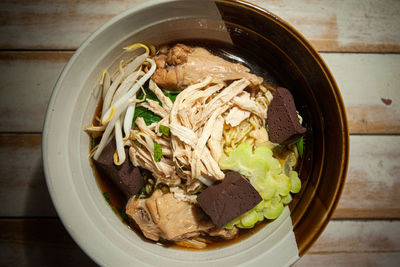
[107, 198]
[248, 133]
[122, 213]
[142, 190]
[300, 147]
[137, 143]
[266, 128]
[164, 130]
[157, 152]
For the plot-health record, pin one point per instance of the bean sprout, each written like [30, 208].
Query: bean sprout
[119, 156]
[130, 112]
[136, 63]
[123, 100]
[114, 112]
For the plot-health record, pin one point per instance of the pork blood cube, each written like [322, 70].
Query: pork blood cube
[282, 119]
[231, 198]
[127, 177]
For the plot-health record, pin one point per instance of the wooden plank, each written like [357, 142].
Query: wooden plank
[382, 259]
[371, 189]
[362, 78]
[43, 242]
[23, 190]
[26, 82]
[373, 185]
[345, 25]
[46, 25]
[342, 236]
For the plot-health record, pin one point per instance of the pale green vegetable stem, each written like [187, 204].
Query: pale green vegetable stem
[267, 176]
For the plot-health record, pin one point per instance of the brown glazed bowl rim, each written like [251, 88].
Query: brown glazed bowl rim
[319, 225]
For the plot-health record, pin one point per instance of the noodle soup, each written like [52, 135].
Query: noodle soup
[175, 124]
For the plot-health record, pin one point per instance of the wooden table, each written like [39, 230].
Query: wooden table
[360, 41]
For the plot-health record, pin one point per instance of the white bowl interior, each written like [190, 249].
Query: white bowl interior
[73, 187]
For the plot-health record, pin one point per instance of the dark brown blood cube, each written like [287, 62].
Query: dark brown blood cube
[127, 177]
[282, 119]
[231, 198]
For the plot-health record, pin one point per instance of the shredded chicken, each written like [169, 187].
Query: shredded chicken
[142, 154]
[215, 142]
[260, 136]
[196, 125]
[165, 101]
[196, 121]
[244, 102]
[155, 107]
[211, 112]
[236, 115]
[252, 129]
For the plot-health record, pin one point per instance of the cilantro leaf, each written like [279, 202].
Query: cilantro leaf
[148, 116]
[172, 95]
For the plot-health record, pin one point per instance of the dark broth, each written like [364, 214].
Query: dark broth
[229, 52]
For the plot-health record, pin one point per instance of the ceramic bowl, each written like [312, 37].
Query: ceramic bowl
[285, 56]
